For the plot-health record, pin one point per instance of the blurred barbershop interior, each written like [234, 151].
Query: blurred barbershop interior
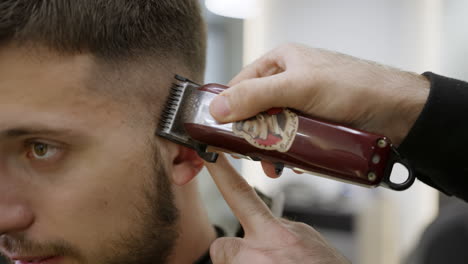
[369, 226]
[419, 225]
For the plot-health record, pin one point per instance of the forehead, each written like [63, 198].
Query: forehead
[24, 73]
[40, 86]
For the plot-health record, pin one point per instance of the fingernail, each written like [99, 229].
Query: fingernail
[220, 107]
[279, 168]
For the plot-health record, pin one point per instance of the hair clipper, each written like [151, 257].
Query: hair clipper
[282, 136]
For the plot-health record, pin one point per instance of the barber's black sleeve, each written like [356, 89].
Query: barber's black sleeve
[437, 144]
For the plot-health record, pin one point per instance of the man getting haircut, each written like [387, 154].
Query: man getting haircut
[83, 178]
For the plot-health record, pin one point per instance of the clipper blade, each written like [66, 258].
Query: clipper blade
[171, 120]
[170, 108]
[183, 105]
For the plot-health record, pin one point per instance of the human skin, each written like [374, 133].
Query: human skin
[91, 195]
[268, 239]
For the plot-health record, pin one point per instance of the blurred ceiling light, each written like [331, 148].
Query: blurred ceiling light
[233, 8]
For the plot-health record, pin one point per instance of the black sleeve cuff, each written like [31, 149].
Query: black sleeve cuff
[437, 143]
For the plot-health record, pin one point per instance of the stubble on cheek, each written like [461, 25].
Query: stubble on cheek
[154, 221]
[20, 244]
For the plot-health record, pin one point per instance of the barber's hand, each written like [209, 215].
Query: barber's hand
[267, 238]
[327, 85]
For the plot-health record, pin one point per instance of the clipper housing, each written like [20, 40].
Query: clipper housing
[281, 136]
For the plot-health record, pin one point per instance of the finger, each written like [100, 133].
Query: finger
[235, 157]
[298, 172]
[249, 209]
[225, 250]
[269, 64]
[250, 97]
[269, 169]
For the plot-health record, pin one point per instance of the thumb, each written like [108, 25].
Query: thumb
[225, 250]
[250, 97]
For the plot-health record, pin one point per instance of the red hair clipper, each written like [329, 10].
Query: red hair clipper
[281, 136]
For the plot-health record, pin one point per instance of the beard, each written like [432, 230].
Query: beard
[152, 241]
[156, 239]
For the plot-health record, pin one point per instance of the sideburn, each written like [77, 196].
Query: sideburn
[156, 237]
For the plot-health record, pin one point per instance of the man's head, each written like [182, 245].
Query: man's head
[82, 176]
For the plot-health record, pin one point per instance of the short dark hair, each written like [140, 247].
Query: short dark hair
[110, 30]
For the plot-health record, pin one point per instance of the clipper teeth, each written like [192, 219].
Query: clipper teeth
[172, 104]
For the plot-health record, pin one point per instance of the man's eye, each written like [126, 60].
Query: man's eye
[41, 151]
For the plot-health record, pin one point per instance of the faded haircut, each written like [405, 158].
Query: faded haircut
[113, 30]
[130, 39]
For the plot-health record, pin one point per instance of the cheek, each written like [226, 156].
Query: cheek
[96, 202]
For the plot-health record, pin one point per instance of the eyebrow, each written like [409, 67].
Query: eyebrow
[25, 131]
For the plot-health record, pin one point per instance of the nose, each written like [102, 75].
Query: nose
[15, 213]
[14, 217]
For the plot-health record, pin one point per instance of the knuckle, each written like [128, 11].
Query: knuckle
[299, 227]
[243, 87]
[235, 92]
[243, 98]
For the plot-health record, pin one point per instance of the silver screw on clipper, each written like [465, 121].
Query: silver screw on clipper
[381, 143]
[371, 176]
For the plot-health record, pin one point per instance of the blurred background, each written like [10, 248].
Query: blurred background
[369, 226]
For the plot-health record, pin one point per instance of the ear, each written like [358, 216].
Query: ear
[186, 165]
